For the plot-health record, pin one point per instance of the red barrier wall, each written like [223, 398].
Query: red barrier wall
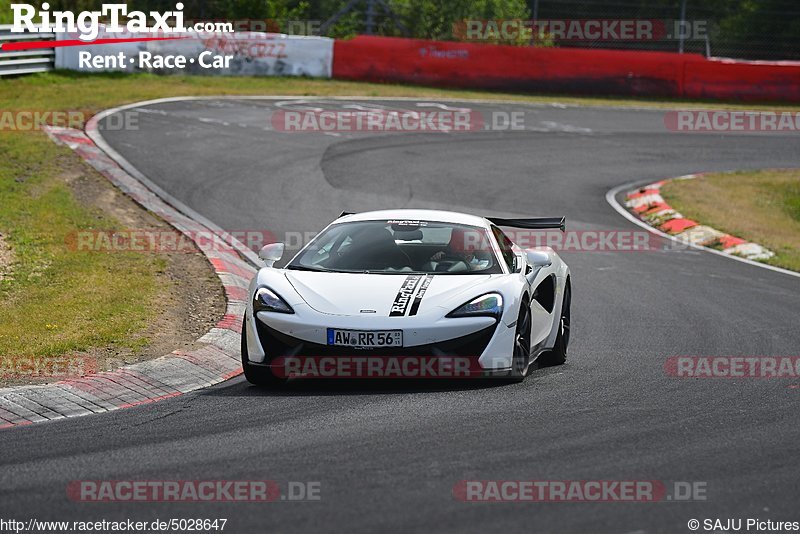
[744, 80]
[613, 72]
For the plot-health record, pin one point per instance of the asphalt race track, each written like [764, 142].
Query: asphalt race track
[388, 455]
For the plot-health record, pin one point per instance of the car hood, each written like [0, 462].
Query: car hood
[379, 294]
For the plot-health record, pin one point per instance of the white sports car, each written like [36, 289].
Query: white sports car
[413, 293]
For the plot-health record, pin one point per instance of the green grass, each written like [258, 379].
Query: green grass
[59, 300]
[6, 17]
[791, 194]
[759, 206]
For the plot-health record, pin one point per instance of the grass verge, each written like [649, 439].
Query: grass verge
[759, 206]
[55, 300]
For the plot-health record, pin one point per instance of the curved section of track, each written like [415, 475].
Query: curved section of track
[388, 456]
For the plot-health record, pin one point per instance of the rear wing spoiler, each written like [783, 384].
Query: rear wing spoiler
[535, 223]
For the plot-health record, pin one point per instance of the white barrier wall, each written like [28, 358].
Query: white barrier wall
[249, 53]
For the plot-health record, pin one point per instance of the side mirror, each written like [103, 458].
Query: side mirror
[271, 253]
[518, 263]
[538, 259]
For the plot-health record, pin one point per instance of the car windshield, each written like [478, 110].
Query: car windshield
[400, 246]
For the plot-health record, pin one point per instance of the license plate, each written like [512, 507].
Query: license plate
[365, 338]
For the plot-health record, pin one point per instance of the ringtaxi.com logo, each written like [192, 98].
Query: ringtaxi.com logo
[578, 491]
[117, 20]
[285, 26]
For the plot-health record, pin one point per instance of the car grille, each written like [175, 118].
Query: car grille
[277, 344]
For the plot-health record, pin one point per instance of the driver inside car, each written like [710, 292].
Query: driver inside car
[462, 246]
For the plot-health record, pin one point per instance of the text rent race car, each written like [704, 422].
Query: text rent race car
[398, 285]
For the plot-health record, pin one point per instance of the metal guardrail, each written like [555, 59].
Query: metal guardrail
[27, 61]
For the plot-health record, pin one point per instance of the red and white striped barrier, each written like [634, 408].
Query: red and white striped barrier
[648, 204]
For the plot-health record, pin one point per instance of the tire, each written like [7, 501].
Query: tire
[522, 346]
[558, 355]
[257, 375]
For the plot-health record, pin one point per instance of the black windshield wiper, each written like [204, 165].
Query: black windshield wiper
[306, 268]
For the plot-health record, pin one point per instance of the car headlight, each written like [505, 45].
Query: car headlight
[267, 300]
[490, 304]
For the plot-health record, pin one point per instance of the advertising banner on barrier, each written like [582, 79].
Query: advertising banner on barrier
[241, 53]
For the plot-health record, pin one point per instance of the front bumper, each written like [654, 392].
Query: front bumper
[484, 342]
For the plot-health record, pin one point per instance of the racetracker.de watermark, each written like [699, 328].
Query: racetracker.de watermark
[192, 491]
[580, 30]
[29, 120]
[607, 491]
[714, 121]
[576, 240]
[733, 366]
[50, 367]
[589, 240]
[398, 121]
[167, 241]
[170, 241]
[342, 366]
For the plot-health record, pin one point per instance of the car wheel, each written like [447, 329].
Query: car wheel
[558, 355]
[522, 345]
[259, 376]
